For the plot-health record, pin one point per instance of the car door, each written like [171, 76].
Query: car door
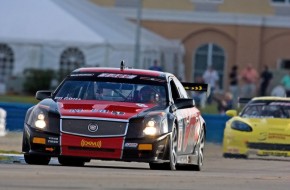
[187, 119]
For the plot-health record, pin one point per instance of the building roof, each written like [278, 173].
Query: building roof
[68, 21]
[205, 17]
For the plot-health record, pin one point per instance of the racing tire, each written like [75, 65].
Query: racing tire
[173, 148]
[71, 161]
[235, 156]
[159, 166]
[36, 159]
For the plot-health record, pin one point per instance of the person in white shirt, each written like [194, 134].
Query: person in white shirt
[211, 77]
[279, 91]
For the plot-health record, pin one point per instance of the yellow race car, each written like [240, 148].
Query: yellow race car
[261, 128]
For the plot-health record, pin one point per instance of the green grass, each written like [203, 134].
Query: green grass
[18, 99]
[9, 152]
[210, 109]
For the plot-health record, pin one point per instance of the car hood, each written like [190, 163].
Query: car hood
[101, 109]
[271, 130]
[269, 124]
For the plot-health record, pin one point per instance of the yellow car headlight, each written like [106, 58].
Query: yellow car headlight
[241, 126]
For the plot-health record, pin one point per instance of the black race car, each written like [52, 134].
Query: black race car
[117, 114]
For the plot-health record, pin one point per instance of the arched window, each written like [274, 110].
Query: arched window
[209, 55]
[6, 62]
[71, 58]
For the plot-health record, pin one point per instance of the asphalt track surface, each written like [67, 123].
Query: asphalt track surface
[218, 173]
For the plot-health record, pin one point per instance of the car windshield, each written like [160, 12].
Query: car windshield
[111, 89]
[267, 110]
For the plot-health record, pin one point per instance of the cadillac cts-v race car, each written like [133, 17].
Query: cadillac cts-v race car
[262, 128]
[117, 114]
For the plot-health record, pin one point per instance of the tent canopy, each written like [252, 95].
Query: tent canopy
[42, 21]
[68, 21]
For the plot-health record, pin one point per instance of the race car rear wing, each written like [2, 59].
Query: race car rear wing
[202, 87]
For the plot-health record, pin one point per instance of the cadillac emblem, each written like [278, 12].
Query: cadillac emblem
[92, 127]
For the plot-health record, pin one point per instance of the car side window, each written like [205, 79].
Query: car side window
[181, 89]
[174, 90]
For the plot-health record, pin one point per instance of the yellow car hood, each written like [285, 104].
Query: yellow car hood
[269, 130]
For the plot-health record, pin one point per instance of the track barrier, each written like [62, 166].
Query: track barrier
[2, 122]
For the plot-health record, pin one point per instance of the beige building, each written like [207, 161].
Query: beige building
[220, 33]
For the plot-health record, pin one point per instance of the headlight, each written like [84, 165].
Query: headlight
[40, 122]
[39, 117]
[241, 126]
[155, 126]
[151, 128]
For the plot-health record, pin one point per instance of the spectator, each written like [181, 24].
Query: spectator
[286, 83]
[155, 66]
[199, 96]
[211, 77]
[266, 77]
[278, 91]
[234, 88]
[249, 77]
[225, 102]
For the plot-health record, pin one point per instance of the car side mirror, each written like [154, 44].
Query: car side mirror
[231, 113]
[182, 103]
[42, 94]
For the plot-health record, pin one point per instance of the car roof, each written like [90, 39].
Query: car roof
[122, 71]
[271, 98]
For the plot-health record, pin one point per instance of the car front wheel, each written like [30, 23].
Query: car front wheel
[173, 149]
[36, 159]
[200, 153]
[71, 161]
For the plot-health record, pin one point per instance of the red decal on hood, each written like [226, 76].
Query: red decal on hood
[106, 109]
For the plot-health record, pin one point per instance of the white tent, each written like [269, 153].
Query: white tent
[39, 32]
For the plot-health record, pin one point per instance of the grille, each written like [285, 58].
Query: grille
[105, 128]
[268, 146]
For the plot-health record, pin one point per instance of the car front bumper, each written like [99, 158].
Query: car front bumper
[146, 149]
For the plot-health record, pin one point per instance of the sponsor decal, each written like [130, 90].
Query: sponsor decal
[75, 110]
[92, 127]
[262, 136]
[81, 75]
[270, 153]
[91, 144]
[123, 76]
[142, 105]
[66, 98]
[100, 111]
[108, 111]
[118, 113]
[152, 79]
[278, 136]
[131, 145]
[52, 140]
